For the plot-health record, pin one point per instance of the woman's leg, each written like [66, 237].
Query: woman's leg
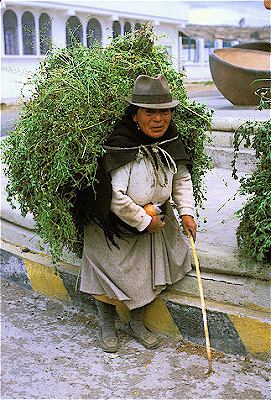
[106, 299]
[108, 335]
[138, 330]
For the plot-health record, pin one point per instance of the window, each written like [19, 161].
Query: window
[45, 30]
[168, 50]
[94, 32]
[28, 30]
[10, 24]
[127, 28]
[116, 29]
[227, 43]
[209, 45]
[137, 26]
[74, 31]
[189, 49]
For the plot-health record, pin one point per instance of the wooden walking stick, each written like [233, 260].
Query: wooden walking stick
[210, 370]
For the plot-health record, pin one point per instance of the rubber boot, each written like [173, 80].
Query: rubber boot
[108, 336]
[138, 330]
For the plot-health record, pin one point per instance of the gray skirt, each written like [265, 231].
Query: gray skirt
[140, 269]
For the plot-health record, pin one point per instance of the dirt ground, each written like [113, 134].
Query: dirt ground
[51, 351]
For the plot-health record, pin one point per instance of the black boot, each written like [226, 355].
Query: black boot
[139, 331]
[108, 336]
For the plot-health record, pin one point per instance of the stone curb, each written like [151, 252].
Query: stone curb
[233, 329]
[222, 157]
[227, 124]
[230, 124]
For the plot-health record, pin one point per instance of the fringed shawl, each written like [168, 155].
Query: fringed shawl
[125, 144]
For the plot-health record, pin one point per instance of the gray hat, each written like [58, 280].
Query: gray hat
[152, 92]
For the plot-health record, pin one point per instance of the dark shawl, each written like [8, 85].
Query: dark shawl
[122, 146]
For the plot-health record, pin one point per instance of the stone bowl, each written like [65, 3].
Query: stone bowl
[241, 73]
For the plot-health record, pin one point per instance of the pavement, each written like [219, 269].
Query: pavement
[9, 114]
[50, 351]
[223, 108]
[218, 222]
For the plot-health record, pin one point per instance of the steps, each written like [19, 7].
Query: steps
[221, 151]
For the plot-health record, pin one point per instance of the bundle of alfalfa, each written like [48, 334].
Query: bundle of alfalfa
[79, 94]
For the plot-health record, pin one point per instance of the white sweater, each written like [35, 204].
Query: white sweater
[135, 185]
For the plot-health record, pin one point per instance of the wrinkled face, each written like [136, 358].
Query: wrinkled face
[153, 122]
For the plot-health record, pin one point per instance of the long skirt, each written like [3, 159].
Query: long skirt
[143, 266]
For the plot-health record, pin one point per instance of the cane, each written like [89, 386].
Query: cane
[210, 370]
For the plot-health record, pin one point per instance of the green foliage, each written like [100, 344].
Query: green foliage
[264, 93]
[78, 95]
[254, 230]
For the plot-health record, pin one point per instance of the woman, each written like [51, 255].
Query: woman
[147, 163]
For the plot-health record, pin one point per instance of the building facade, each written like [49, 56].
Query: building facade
[29, 28]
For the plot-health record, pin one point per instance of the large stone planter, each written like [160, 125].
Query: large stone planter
[240, 72]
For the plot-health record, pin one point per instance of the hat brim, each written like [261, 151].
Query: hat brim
[171, 104]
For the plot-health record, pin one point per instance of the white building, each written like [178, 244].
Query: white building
[29, 28]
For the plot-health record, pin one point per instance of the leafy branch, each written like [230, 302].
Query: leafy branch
[78, 95]
[254, 230]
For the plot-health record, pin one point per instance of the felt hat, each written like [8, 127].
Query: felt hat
[152, 92]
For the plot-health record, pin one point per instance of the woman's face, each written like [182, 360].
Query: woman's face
[152, 121]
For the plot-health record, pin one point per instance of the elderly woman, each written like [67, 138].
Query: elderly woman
[147, 164]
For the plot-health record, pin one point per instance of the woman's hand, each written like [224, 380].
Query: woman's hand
[189, 225]
[156, 224]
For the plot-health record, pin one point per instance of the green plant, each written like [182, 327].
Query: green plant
[254, 230]
[264, 93]
[78, 95]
